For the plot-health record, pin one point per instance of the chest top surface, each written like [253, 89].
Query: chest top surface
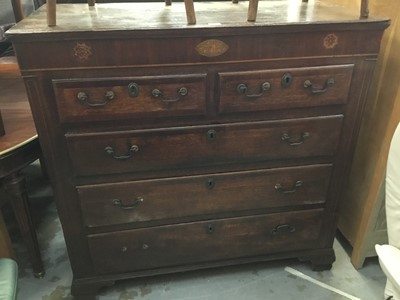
[151, 18]
[138, 34]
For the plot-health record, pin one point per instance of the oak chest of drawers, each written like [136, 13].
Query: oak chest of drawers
[174, 148]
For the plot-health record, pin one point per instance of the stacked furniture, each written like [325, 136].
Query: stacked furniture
[362, 218]
[174, 148]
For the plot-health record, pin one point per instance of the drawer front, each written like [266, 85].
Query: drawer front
[131, 151]
[207, 241]
[116, 98]
[152, 200]
[284, 88]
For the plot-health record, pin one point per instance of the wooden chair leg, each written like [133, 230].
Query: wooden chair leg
[91, 2]
[364, 12]
[190, 14]
[15, 186]
[17, 9]
[168, 2]
[51, 12]
[252, 12]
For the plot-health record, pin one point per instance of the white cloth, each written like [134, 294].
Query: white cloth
[393, 191]
[8, 279]
[389, 255]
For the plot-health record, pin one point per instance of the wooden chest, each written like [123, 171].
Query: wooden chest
[175, 147]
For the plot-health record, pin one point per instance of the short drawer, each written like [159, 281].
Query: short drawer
[141, 150]
[205, 195]
[89, 99]
[206, 241]
[284, 88]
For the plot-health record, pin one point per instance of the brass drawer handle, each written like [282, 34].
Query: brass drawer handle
[242, 89]
[282, 229]
[134, 204]
[291, 142]
[329, 83]
[293, 189]
[181, 93]
[83, 97]
[110, 151]
[133, 89]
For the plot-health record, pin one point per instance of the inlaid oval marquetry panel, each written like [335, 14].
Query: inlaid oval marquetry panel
[212, 48]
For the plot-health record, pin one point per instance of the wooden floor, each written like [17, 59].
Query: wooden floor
[9, 67]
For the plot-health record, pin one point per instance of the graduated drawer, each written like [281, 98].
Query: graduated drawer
[90, 99]
[155, 200]
[198, 242]
[284, 88]
[140, 150]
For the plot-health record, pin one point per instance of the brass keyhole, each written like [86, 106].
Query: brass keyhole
[211, 135]
[287, 79]
[210, 228]
[210, 183]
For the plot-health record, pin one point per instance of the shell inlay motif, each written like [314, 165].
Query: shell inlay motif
[82, 52]
[331, 41]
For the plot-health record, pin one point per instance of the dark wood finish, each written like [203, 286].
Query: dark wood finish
[18, 148]
[203, 145]
[130, 102]
[135, 169]
[15, 186]
[293, 94]
[204, 241]
[196, 196]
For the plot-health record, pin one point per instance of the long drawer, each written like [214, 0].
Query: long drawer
[201, 196]
[206, 241]
[92, 99]
[140, 150]
[284, 88]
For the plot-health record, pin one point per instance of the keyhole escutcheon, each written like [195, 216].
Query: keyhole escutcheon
[210, 228]
[210, 183]
[211, 135]
[287, 80]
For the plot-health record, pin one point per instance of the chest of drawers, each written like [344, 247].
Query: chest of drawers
[174, 148]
